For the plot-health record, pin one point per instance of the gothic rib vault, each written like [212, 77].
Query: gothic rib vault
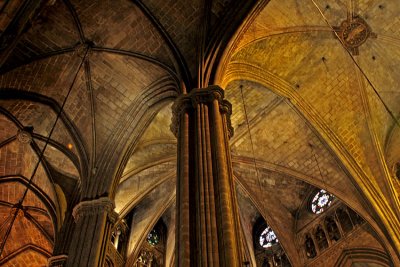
[314, 90]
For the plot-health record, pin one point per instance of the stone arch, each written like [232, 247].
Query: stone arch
[29, 228]
[289, 247]
[32, 251]
[363, 255]
[358, 178]
[80, 162]
[156, 96]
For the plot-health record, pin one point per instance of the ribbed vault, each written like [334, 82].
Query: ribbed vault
[309, 112]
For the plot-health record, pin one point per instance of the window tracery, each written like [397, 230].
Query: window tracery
[153, 238]
[267, 238]
[321, 201]
[267, 249]
[152, 253]
[330, 228]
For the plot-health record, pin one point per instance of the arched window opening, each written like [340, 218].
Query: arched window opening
[355, 218]
[310, 247]
[119, 237]
[320, 237]
[267, 249]
[153, 238]
[344, 220]
[153, 249]
[267, 238]
[332, 229]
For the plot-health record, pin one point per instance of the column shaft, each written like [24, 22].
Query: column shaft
[94, 220]
[182, 193]
[207, 218]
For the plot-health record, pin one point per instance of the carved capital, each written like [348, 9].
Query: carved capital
[120, 226]
[204, 96]
[181, 105]
[226, 108]
[94, 207]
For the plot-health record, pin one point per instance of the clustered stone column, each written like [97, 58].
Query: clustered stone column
[94, 220]
[207, 216]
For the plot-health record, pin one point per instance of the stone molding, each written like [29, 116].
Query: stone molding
[201, 96]
[94, 207]
[121, 225]
[114, 256]
[57, 261]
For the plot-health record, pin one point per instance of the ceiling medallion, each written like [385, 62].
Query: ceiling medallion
[24, 136]
[353, 32]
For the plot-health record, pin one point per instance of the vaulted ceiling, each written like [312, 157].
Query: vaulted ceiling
[315, 105]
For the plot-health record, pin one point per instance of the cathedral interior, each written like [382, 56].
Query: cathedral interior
[200, 133]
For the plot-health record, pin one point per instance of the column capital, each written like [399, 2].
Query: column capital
[204, 96]
[94, 207]
[121, 225]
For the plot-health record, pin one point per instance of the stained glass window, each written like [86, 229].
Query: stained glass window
[268, 238]
[153, 238]
[321, 201]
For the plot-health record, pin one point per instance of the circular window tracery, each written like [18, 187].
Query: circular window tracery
[321, 201]
[153, 238]
[267, 238]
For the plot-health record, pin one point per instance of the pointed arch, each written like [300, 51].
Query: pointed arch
[363, 255]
